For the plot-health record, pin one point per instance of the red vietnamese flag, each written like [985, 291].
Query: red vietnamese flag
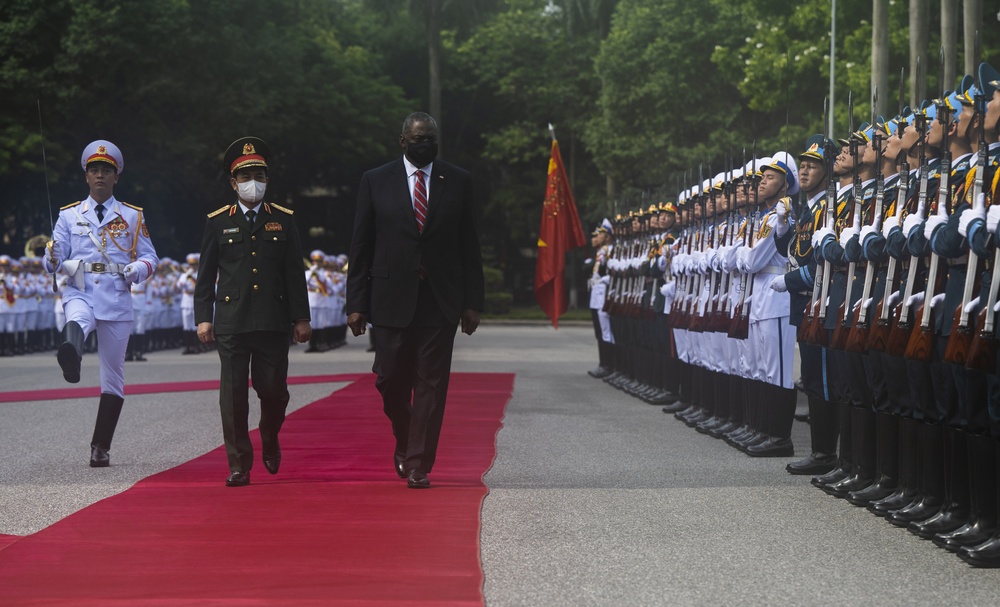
[560, 232]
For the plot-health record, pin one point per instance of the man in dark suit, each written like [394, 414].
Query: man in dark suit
[252, 249]
[416, 272]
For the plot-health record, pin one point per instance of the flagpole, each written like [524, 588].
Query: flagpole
[552, 131]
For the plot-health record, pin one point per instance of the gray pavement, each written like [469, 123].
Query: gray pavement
[595, 498]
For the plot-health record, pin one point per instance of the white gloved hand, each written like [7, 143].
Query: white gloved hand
[782, 224]
[661, 263]
[668, 289]
[910, 224]
[992, 218]
[856, 305]
[933, 223]
[820, 235]
[703, 263]
[588, 261]
[996, 306]
[778, 284]
[937, 300]
[54, 253]
[867, 303]
[605, 279]
[866, 232]
[967, 217]
[892, 222]
[132, 273]
[847, 235]
[893, 299]
[915, 300]
[971, 306]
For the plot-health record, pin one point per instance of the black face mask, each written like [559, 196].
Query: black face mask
[421, 154]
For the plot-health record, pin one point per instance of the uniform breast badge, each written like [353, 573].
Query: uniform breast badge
[118, 228]
[273, 226]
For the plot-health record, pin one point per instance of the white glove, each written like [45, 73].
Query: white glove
[915, 300]
[605, 279]
[967, 217]
[996, 306]
[933, 222]
[893, 299]
[742, 265]
[820, 235]
[778, 284]
[703, 263]
[847, 235]
[661, 263]
[971, 306]
[856, 305]
[867, 303]
[781, 212]
[668, 289]
[992, 218]
[866, 232]
[892, 222]
[937, 300]
[54, 253]
[910, 223]
[132, 273]
[588, 261]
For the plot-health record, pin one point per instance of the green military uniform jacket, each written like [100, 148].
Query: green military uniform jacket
[261, 279]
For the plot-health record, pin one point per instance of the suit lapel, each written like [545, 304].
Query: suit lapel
[438, 183]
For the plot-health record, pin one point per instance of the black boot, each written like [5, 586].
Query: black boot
[887, 452]
[844, 464]
[954, 512]
[932, 482]
[983, 497]
[71, 352]
[909, 460]
[986, 554]
[779, 404]
[104, 429]
[863, 454]
[823, 430]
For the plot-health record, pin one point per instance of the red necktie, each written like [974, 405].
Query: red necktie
[420, 201]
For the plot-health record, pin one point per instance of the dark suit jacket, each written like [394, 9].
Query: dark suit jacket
[261, 276]
[388, 251]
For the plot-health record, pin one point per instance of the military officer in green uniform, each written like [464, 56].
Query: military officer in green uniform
[250, 293]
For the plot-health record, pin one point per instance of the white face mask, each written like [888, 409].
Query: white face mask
[251, 192]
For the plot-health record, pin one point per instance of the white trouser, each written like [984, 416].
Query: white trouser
[112, 338]
[772, 348]
[604, 319]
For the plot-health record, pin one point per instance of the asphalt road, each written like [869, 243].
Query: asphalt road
[595, 498]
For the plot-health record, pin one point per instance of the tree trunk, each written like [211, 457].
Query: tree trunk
[919, 35]
[949, 40]
[880, 53]
[434, 67]
[973, 22]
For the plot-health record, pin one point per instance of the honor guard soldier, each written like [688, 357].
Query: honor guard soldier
[250, 293]
[319, 285]
[185, 284]
[103, 245]
[600, 239]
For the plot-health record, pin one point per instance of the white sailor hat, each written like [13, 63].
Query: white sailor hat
[317, 255]
[102, 151]
[193, 258]
[784, 163]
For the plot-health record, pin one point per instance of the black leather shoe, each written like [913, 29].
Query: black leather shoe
[69, 361]
[772, 447]
[272, 461]
[417, 480]
[986, 554]
[99, 457]
[599, 372]
[815, 464]
[945, 521]
[675, 407]
[970, 534]
[398, 461]
[238, 479]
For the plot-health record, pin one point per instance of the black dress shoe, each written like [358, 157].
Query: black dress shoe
[986, 554]
[815, 464]
[272, 460]
[772, 447]
[398, 461]
[969, 534]
[69, 361]
[417, 480]
[238, 479]
[99, 457]
[679, 405]
[599, 372]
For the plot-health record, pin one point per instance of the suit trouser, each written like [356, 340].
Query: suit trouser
[264, 354]
[414, 366]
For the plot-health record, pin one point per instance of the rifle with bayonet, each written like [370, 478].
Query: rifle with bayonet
[739, 326]
[842, 329]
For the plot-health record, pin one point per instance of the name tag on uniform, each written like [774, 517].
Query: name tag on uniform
[231, 231]
[83, 223]
[273, 226]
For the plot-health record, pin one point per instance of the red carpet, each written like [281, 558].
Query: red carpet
[20, 396]
[334, 527]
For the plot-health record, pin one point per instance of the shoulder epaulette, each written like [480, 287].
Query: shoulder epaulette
[218, 211]
[281, 208]
[70, 206]
[131, 206]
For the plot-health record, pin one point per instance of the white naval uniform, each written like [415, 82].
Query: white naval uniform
[599, 292]
[100, 299]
